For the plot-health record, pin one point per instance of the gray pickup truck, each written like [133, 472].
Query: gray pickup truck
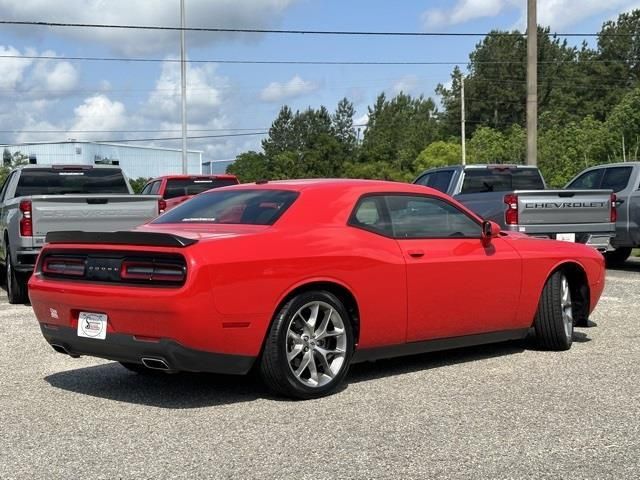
[36, 199]
[624, 180]
[515, 197]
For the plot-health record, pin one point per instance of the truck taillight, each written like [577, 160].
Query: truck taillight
[26, 222]
[614, 208]
[511, 214]
[162, 205]
[140, 270]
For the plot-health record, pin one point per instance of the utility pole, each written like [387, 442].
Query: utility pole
[462, 122]
[183, 79]
[532, 83]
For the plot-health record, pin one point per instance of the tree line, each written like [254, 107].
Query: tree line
[588, 101]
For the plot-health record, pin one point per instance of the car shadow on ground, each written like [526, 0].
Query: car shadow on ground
[631, 265]
[193, 390]
[173, 391]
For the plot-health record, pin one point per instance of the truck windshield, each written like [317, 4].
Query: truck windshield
[479, 180]
[60, 181]
[180, 187]
[247, 207]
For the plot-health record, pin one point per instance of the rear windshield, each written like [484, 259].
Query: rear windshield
[501, 180]
[248, 207]
[180, 187]
[51, 181]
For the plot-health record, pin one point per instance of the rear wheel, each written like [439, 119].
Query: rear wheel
[16, 283]
[617, 257]
[309, 346]
[554, 318]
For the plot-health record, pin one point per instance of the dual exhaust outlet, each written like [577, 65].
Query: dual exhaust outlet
[152, 363]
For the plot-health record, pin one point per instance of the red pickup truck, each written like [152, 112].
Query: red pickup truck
[175, 189]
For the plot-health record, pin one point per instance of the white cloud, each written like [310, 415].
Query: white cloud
[362, 119]
[199, 13]
[557, 14]
[296, 87]
[204, 93]
[98, 112]
[13, 69]
[464, 11]
[55, 76]
[406, 84]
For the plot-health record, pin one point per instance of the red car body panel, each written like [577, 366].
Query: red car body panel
[238, 275]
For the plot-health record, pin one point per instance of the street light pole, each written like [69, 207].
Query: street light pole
[532, 83]
[183, 88]
[463, 121]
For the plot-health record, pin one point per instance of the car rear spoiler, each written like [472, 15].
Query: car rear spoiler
[151, 239]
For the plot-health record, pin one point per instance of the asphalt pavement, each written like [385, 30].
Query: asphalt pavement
[503, 411]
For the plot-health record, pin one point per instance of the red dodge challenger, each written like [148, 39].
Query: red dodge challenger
[303, 278]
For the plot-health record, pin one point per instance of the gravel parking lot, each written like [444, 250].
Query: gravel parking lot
[505, 411]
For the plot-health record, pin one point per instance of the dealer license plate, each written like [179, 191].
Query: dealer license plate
[92, 325]
[566, 237]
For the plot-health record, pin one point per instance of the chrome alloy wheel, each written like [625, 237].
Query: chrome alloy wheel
[316, 344]
[566, 306]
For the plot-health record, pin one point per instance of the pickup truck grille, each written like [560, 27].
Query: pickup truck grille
[121, 268]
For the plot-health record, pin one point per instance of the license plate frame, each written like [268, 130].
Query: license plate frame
[92, 325]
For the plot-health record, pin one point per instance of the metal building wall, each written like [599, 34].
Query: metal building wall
[136, 161]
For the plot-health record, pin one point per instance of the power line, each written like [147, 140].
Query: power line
[365, 33]
[304, 62]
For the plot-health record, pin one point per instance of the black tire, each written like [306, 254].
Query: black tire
[276, 369]
[16, 283]
[617, 257]
[554, 330]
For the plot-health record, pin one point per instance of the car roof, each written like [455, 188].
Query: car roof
[330, 184]
[222, 176]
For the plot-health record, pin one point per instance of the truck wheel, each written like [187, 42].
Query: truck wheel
[309, 346]
[16, 283]
[617, 257]
[554, 319]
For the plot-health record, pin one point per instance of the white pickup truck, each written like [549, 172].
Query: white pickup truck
[37, 199]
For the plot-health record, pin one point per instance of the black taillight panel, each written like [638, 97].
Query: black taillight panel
[131, 268]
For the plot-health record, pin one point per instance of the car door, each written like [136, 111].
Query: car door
[455, 285]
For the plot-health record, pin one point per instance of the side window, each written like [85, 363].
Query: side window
[5, 186]
[589, 180]
[438, 180]
[155, 187]
[428, 217]
[370, 215]
[616, 178]
[147, 189]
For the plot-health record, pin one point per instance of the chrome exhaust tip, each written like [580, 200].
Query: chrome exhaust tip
[155, 363]
[62, 349]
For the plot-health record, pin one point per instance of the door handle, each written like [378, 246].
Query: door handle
[415, 253]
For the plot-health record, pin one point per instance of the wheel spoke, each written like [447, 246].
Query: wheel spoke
[322, 329]
[313, 317]
[303, 364]
[295, 351]
[324, 361]
[297, 339]
[313, 369]
[336, 332]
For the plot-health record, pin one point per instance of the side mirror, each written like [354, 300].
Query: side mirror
[489, 230]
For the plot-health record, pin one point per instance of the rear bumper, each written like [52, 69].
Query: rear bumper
[126, 348]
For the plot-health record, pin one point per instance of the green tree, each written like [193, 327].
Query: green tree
[250, 166]
[398, 130]
[439, 154]
[489, 145]
[623, 127]
[137, 184]
[9, 162]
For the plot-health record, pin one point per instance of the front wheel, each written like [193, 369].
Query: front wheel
[16, 283]
[309, 346]
[554, 319]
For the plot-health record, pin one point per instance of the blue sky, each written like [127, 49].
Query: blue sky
[113, 100]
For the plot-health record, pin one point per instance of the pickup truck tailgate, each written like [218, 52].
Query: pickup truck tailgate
[564, 207]
[91, 213]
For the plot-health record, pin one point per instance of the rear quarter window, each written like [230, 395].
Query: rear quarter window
[245, 207]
